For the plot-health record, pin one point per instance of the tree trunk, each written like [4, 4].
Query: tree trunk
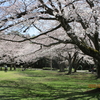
[11, 67]
[14, 67]
[61, 67]
[51, 64]
[70, 69]
[75, 69]
[0, 68]
[98, 70]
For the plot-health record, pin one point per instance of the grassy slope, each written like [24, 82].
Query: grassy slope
[46, 85]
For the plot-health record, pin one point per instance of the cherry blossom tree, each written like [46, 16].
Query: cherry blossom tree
[79, 19]
[71, 56]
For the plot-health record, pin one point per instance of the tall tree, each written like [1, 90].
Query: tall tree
[80, 19]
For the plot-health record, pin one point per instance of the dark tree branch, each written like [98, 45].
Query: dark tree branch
[82, 21]
[49, 45]
[62, 41]
[96, 42]
[1, 2]
[37, 27]
[26, 29]
[11, 25]
[59, 5]
[44, 33]
[71, 3]
[53, 6]
[44, 18]
[48, 10]
[90, 2]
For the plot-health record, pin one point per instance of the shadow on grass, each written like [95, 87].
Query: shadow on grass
[44, 92]
[24, 89]
[88, 95]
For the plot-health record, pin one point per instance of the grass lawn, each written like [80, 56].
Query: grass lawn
[46, 85]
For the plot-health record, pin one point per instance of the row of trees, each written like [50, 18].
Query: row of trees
[22, 54]
[80, 19]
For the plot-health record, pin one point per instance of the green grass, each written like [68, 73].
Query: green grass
[46, 85]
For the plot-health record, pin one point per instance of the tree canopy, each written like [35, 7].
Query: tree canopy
[79, 19]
